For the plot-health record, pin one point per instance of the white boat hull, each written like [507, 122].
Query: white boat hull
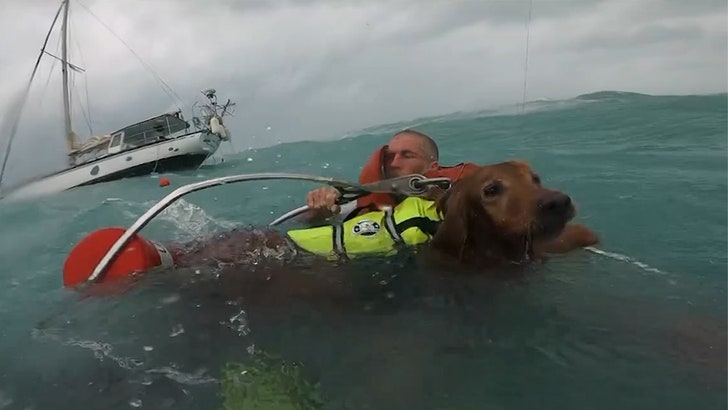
[181, 153]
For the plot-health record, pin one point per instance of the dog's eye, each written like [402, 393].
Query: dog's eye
[536, 179]
[492, 189]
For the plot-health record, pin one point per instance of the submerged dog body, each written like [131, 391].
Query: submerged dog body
[498, 214]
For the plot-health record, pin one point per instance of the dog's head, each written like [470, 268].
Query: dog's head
[499, 208]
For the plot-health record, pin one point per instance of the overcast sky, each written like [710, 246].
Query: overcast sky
[317, 69]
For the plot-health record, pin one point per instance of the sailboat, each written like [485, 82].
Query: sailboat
[165, 142]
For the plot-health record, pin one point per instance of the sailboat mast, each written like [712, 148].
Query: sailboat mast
[64, 61]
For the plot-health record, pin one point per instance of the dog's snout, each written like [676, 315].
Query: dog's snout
[554, 201]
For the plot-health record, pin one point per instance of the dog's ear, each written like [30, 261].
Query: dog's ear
[455, 206]
[442, 201]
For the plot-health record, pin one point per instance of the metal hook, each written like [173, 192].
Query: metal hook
[424, 183]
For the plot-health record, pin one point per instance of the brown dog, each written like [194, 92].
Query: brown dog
[502, 214]
[499, 214]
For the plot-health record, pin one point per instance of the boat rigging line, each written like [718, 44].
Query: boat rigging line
[16, 120]
[170, 92]
[525, 64]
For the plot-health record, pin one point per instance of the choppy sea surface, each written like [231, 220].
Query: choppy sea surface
[637, 323]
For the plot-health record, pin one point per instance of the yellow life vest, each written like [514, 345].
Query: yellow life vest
[412, 222]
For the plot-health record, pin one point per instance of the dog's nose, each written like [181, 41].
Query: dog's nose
[554, 201]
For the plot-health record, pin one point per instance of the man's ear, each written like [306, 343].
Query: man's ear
[430, 170]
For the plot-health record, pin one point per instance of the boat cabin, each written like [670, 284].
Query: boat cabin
[150, 131]
[147, 132]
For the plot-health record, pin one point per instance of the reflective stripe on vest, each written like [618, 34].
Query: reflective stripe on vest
[412, 222]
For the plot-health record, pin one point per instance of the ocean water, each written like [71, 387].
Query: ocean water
[639, 322]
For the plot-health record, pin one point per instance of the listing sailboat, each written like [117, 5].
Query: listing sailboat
[162, 143]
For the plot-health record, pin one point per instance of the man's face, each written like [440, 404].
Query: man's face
[406, 155]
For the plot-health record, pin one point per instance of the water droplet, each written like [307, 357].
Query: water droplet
[177, 330]
[135, 403]
[148, 348]
[170, 299]
[250, 159]
[268, 128]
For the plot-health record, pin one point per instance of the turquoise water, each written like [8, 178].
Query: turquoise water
[638, 323]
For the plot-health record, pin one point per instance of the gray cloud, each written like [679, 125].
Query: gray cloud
[317, 69]
[660, 9]
[645, 36]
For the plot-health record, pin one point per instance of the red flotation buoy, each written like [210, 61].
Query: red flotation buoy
[164, 181]
[138, 255]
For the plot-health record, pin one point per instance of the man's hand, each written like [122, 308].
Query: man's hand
[322, 201]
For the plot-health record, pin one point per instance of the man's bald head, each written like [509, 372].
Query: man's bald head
[429, 146]
[410, 152]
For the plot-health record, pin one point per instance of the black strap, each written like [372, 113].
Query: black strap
[425, 224]
[390, 225]
[337, 239]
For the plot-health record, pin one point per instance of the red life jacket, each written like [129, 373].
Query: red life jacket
[373, 171]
